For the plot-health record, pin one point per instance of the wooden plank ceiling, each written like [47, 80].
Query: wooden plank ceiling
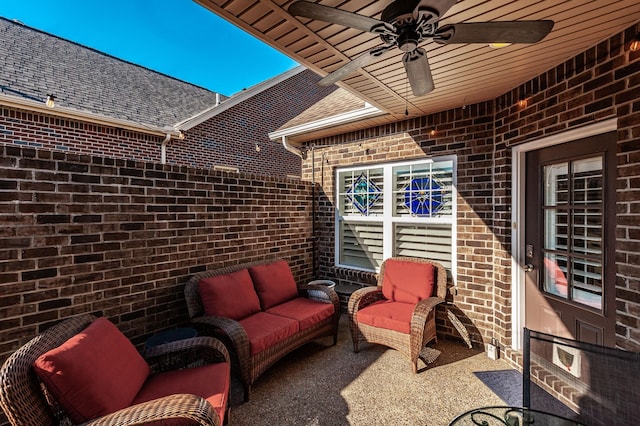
[463, 74]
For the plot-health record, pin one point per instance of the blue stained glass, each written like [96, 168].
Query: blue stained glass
[363, 194]
[424, 196]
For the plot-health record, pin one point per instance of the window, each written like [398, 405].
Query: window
[573, 230]
[396, 209]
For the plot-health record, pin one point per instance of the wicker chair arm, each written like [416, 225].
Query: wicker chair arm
[186, 352]
[190, 408]
[421, 312]
[363, 297]
[236, 335]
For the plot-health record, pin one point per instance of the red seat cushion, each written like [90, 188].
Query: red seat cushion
[96, 372]
[406, 281]
[388, 315]
[230, 295]
[210, 381]
[306, 312]
[274, 283]
[265, 330]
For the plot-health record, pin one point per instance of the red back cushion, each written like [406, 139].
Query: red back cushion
[406, 281]
[274, 283]
[230, 295]
[96, 372]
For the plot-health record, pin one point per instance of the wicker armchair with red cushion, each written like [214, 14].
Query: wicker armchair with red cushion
[85, 371]
[260, 313]
[400, 311]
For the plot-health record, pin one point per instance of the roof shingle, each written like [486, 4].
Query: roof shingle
[35, 63]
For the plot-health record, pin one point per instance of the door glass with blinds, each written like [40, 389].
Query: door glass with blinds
[573, 237]
[399, 209]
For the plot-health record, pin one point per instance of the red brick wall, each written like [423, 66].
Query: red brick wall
[119, 238]
[466, 133]
[25, 128]
[600, 83]
[230, 138]
[227, 139]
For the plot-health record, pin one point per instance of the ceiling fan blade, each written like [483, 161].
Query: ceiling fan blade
[418, 71]
[360, 61]
[340, 17]
[439, 6]
[494, 32]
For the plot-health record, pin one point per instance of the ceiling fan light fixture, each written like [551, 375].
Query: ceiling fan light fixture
[499, 45]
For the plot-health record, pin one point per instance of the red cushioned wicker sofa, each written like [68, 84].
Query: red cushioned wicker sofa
[260, 313]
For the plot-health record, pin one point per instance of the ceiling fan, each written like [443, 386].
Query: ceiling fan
[406, 23]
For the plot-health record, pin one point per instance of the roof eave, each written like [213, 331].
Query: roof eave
[335, 121]
[61, 111]
[211, 112]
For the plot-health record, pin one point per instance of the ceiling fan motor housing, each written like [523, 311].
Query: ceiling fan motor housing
[408, 39]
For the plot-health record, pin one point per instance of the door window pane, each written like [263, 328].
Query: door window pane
[587, 231]
[556, 229]
[587, 282]
[555, 275]
[556, 184]
[573, 236]
[587, 181]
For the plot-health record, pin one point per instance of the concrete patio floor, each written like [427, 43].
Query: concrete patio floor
[322, 385]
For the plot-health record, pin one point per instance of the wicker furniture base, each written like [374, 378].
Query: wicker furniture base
[423, 324]
[25, 402]
[251, 367]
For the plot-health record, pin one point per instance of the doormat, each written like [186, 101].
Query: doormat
[428, 355]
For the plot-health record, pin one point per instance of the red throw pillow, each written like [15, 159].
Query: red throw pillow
[94, 373]
[274, 283]
[407, 282]
[230, 295]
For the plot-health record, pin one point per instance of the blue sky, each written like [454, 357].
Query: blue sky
[176, 37]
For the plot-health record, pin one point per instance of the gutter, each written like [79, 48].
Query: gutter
[368, 111]
[290, 148]
[38, 106]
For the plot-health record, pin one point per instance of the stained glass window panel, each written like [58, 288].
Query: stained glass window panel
[361, 192]
[423, 190]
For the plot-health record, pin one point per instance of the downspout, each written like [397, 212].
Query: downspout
[314, 239]
[290, 148]
[163, 148]
[298, 152]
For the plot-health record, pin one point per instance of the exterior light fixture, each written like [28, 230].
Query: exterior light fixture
[51, 101]
[258, 148]
[432, 132]
[522, 102]
[499, 45]
[181, 135]
[635, 43]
